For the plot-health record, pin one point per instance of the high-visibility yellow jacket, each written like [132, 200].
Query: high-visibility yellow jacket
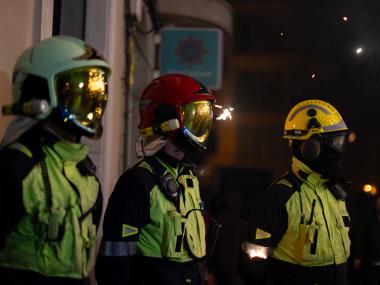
[55, 234]
[304, 224]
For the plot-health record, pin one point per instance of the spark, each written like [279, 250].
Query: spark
[226, 113]
[313, 75]
[359, 50]
[345, 18]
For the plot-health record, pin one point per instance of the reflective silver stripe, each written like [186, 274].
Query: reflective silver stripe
[254, 250]
[118, 248]
[338, 126]
[310, 106]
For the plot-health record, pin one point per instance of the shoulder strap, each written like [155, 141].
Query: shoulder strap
[153, 166]
[292, 180]
[29, 153]
[86, 167]
[163, 182]
[297, 185]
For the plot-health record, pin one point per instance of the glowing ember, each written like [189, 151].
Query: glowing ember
[226, 113]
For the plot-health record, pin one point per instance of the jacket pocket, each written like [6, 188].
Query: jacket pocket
[308, 242]
[172, 241]
[344, 229]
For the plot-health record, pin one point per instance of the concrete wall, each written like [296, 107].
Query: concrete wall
[111, 161]
[217, 13]
[16, 33]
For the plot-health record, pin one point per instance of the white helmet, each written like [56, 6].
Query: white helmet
[70, 76]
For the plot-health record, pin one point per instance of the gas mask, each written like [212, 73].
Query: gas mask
[323, 153]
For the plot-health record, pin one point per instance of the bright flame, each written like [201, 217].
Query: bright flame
[226, 113]
[313, 75]
[359, 50]
[345, 18]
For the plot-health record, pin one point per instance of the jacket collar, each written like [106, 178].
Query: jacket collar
[182, 166]
[68, 151]
[71, 151]
[305, 173]
[163, 156]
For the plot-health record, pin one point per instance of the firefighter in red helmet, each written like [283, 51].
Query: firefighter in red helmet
[154, 231]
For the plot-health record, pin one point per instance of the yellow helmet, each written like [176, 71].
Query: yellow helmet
[312, 117]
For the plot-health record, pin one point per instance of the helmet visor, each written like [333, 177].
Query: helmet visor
[337, 141]
[197, 120]
[82, 96]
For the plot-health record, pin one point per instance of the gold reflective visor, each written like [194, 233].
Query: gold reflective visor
[197, 119]
[82, 96]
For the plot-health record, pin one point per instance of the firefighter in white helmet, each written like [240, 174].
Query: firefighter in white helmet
[50, 198]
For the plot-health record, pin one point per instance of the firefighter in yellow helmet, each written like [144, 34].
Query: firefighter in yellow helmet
[298, 232]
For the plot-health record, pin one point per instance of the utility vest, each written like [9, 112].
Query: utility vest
[56, 236]
[175, 235]
[317, 231]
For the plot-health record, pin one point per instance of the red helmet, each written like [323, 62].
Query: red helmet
[178, 96]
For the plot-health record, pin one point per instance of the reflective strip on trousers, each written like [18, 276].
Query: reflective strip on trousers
[118, 248]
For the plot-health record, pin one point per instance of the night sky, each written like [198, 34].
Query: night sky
[328, 50]
[334, 52]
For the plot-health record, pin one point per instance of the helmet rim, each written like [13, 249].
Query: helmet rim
[298, 121]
